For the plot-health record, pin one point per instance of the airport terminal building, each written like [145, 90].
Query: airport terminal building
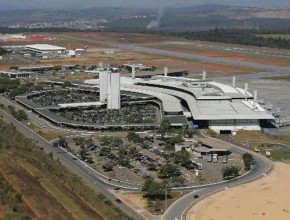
[201, 103]
[181, 101]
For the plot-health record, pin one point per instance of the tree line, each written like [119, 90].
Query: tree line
[239, 36]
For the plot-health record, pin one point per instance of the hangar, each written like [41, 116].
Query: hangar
[44, 48]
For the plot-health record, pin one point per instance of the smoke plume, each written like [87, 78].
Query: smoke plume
[154, 24]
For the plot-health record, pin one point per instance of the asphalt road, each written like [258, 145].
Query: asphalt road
[100, 183]
[33, 118]
[179, 208]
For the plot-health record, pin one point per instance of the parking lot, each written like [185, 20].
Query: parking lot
[53, 98]
[130, 114]
[131, 163]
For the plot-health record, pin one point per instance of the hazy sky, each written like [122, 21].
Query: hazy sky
[24, 4]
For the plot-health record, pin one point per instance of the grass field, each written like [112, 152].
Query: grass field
[282, 36]
[47, 189]
[259, 137]
[281, 154]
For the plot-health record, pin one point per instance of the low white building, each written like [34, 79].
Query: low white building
[44, 48]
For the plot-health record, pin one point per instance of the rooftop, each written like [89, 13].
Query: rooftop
[44, 47]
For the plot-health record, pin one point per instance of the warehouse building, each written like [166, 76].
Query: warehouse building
[45, 49]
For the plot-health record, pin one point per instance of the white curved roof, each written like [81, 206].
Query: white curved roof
[170, 103]
[214, 109]
[45, 47]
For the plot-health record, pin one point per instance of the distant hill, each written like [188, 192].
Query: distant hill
[201, 17]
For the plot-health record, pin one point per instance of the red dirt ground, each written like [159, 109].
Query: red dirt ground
[195, 66]
[34, 211]
[4, 67]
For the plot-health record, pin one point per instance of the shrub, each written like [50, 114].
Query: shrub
[230, 172]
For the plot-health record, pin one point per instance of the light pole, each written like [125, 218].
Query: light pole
[165, 198]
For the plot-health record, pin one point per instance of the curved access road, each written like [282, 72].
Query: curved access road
[180, 207]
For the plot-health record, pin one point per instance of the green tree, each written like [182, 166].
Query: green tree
[189, 132]
[182, 157]
[248, 161]
[105, 151]
[154, 190]
[164, 128]
[168, 170]
[66, 84]
[83, 153]
[133, 137]
[178, 181]
[62, 142]
[116, 142]
[8, 84]
[21, 115]
[18, 197]
[57, 68]
[3, 51]
[230, 172]
[105, 140]
[170, 143]
[107, 167]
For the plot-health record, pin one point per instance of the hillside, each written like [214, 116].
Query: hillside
[35, 186]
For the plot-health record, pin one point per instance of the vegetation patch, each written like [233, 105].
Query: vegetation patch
[37, 175]
[281, 154]
[248, 161]
[259, 137]
[230, 172]
[236, 36]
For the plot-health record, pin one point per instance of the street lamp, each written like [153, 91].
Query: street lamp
[165, 198]
[166, 186]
